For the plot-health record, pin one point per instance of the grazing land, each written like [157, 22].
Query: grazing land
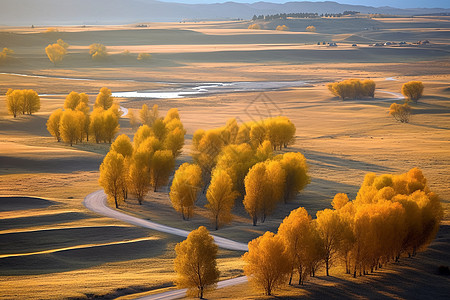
[52, 247]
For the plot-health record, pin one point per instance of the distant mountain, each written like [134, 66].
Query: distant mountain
[67, 12]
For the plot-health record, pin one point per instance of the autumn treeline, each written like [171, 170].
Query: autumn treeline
[22, 102]
[77, 123]
[392, 215]
[352, 88]
[236, 161]
[145, 163]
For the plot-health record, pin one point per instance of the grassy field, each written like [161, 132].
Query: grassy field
[51, 247]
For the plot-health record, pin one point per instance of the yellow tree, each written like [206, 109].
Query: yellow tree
[96, 124]
[74, 99]
[122, 145]
[141, 135]
[104, 99]
[311, 28]
[413, 90]
[295, 231]
[400, 112]
[112, 177]
[162, 165]
[53, 124]
[195, 263]
[220, 196]
[110, 125]
[159, 129]
[296, 168]
[267, 265]
[69, 127]
[98, 51]
[62, 43]
[144, 115]
[174, 140]
[134, 122]
[172, 114]
[186, 183]
[84, 108]
[329, 227]
[275, 178]
[55, 53]
[31, 102]
[282, 28]
[139, 173]
[256, 191]
[6, 54]
[14, 101]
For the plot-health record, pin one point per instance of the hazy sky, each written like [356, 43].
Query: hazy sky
[376, 3]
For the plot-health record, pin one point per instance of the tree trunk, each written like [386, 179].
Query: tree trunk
[115, 200]
[327, 266]
[217, 222]
[255, 219]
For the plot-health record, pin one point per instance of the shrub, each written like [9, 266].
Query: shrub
[144, 56]
[254, 26]
[282, 28]
[352, 88]
[311, 28]
[400, 112]
[413, 90]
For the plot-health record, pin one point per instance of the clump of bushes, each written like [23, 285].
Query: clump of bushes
[254, 26]
[311, 28]
[282, 28]
[400, 112]
[413, 90]
[352, 88]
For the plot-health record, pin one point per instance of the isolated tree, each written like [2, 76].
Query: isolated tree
[139, 173]
[98, 51]
[267, 265]
[295, 231]
[329, 228]
[14, 102]
[413, 90]
[162, 165]
[53, 124]
[186, 183]
[55, 53]
[69, 127]
[104, 99]
[195, 263]
[122, 145]
[296, 169]
[311, 28]
[400, 112]
[220, 196]
[112, 177]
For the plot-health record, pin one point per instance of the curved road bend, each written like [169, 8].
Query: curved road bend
[96, 202]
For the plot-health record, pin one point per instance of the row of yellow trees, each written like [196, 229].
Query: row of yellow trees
[391, 215]
[146, 162]
[76, 122]
[22, 102]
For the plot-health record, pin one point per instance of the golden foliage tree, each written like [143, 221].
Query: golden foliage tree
[96, 124]
[267, 265]
[122, 145]
[104, 99]
[352, 88]
[74, 99]
[296, 169]
[55, 53]
[186, 183]
[98, 51]
[134, 122]
[141, 135]
[400, 112]
[53, 124]
[112, 177]
[257, 200]
[62, 43]
[413, 90]
[296, 233]
[6, 54]
[14, 102]
[162, 165]
[69, 127]
[144, 57]
[31, 102]
[139, 173]
[195, 263]
[220, 196]
[110, 125]
[329, 228]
